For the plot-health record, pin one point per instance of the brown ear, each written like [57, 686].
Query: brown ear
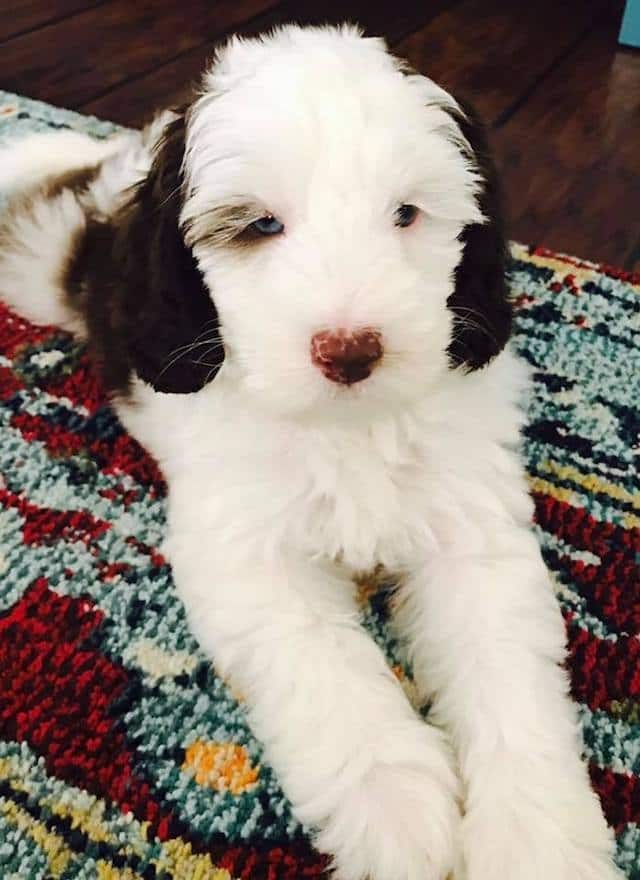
[166, 309]
[480, 301]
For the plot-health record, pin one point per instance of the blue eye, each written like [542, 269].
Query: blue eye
[268, 225]
[406, 215]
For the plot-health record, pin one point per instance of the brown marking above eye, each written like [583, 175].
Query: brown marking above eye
[229, 226]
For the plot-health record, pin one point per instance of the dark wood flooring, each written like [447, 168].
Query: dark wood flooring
[561, 97]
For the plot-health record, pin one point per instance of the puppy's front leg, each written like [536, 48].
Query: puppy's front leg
[357, 763]
[487, 641]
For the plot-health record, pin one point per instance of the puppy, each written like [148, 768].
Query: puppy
[294, 289]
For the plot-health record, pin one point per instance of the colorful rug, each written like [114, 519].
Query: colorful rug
[122, 754]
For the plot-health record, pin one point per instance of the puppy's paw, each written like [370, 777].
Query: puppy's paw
[398, 823]
[528, 842]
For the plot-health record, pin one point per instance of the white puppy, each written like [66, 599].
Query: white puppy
[299, 309]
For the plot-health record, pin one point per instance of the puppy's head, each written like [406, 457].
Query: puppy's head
[343, 217]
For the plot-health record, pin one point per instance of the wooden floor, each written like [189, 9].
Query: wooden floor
[562, 98]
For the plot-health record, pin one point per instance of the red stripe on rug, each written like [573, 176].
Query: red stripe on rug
[605, 268]
[123, 455]
[293, 861]
[17, 334]
[619, 794]
[82, 387]
[57, 440]
[578, 528]
[56, 694]
[9, 384]
[126, 456]
[612, 590]
[603, 670]
[44, 525]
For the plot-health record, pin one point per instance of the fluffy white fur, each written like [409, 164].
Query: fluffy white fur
[283, 486]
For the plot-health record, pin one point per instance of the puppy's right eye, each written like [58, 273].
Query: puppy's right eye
[267, 225]
[406, 215]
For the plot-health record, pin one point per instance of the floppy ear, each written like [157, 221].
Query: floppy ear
[167, 310]
[480, 301]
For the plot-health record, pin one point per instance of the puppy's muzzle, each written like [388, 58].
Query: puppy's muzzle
[346, 357]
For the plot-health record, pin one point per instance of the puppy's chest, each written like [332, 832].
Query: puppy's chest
[361, 504]
[352, 497]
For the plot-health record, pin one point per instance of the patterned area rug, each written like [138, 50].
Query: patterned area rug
[122, 754]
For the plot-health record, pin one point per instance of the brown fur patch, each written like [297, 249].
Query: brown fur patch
[369, 583]
[138, 287]
[78, 180]
[226, 226]
[21, 203]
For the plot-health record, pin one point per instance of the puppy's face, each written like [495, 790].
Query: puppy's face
[327, 198]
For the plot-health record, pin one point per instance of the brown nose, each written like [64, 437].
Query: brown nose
[346, 357]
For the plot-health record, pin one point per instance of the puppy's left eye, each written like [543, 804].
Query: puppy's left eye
[406, 215]
[267, 225]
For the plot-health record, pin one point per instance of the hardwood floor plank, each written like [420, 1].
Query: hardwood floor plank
[570, 157]
[490, 51]
[377, 17]
[563, 98]
[632, 260]
[27, 15]
[132, 102]
[169, 85]
[69, 62]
